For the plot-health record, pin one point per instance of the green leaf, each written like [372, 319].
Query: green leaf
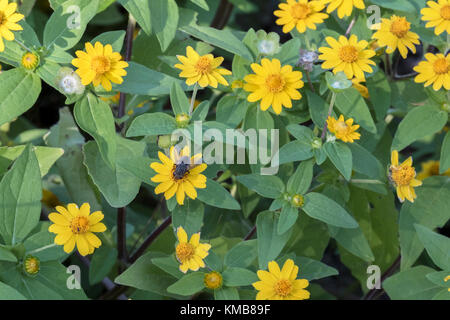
[9, 293]
[74, 174]
[118, 185]
[352, 105]
[150, 124]
[178, 99]
[231, 110]
[242, 255]
[95, 117]
[354, 241]
[114, 38]
[437, 246]
[318, 108]
[141, 80]
[411, 284]
[267, 186]
[364, 162]
[102, 262]
[380, 94]
[438, 278]
[144, 275]
[42, 245]
[188, 284]
[164, 18]
[270, 243]
[201, 3]
[395, 5]
[189, 216]
[67, 24]
[223, 39]
[429, 209]
[288, 217]
[18, 93]
[297, 150]
[341, 156]
[444, 164]
[6, 255]
[322, 208]
[140, 10]
[236, 277]
[217, 196]
[311, 269]
[226, 294]
[300, 181]
[420, 122]
[20, 196]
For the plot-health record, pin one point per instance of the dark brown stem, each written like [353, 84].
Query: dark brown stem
[149, 240]
[223, 13]
[387, 66]
[121, 236]
[250, 234]
[309, 81]
[372, 293]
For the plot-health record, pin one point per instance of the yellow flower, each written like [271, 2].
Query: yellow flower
[438, 15]
[362, 89]
[179, 175]
[100, 65]
[213, 280]
[77, 226]
[283, 284]
[347, 55]
[435, 70]
[344, 7]
[30, 60]
[446, 279]
[343, 130]
[8, 22]
[301, 14]
[203, 70]
[273, 84]
[394, 33]
[190, 253]
[431, 168]
[403, 177]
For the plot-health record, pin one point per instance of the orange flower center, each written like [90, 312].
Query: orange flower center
[283, 287]
[213, 280]
[445, 12]
[441, 66]
[100, 64]
[400, 27]
[79, 225]
[402, 175]
[184, 251]
[203, 65]
[275, 83]
[348, 54]
[300, 11]
[341, 128]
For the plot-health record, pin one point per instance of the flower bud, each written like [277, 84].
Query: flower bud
[182, 120]
[213, 280]
[69, 82]
[31, 265]
[298, 201]
[267, 44]
[30, 60]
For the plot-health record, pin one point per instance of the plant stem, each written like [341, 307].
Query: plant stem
[330, 110]
[350, 27]
[250, 234]
[223, 13]
[366, 181]
[194, 95]
[149, 240]
[121, 235]
[22, 45]
[387, 62]
[371, 294]
[309, 81]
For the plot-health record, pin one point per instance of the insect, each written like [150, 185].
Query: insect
[182, 167]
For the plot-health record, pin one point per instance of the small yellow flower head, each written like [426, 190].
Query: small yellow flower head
[213, 280]
[30, 60]
[429, 169]
[438, 16]
[190, 253]
[283, 284]
[76, 226]
[447, 278]
[179, 175]
[203, 70]
[182, 120]
[8, 22]
[362, 89]
[31, 265]
[402, 177]
[50, 199]
[100, 65]
[301, 14]
[435, 70]
[275, 85]
[298, 201]
[348, 55]
[69, 82]
[237, 84]
[395, 34]
[343, 130]
[344, 7]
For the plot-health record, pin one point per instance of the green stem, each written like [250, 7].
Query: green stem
[22, 45]
[330, 110]
[366, 181]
